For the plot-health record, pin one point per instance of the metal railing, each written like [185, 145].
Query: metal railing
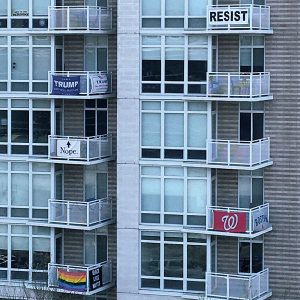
[79, 18]
[256, 219]
[76, 148]
[58, 276]
[242, 85]
[85, 83]
[258, 17]
[238, 153]
[240, 287]
[79, 213]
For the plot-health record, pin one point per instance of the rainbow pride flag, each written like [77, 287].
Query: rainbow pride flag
[72, 280]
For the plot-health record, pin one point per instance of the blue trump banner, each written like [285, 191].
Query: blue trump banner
[63, 85]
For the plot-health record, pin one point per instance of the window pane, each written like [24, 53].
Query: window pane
[244, 257]
[150, 194]
[173, 262]
[3, 65]
[20, 126]
[19, 5]
[174, 130]
[258, 60]
[101, 185]
[101, 59]
[174, 64]
[3, 189]
[197, 196]
[173, 195]
[150, 259]
[196, 261]
[3, 8]
[245, 126]
[197, 64]
[101, 248]
[20, 63]
[41, 253]
[41, 190]
[197, 8]
[40, 8]
[258, 126]
[197, 132]
[3, 252]
[245, 60]
[244, 192]
[90, 123]
[3, 126]
[151, 129]
[41, 126]
[90, 58]
[151, 64]
[89, 253]
[257, 257]
[41, 63]
[89, 187]
[101, 122]
[151, 8]
[174, 7]
[20, 252]
[257, 192]
[20, 189]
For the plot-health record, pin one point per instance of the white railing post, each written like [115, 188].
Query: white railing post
[250, 221]
[260, 150]
[49, 147]
[88, 149]
[251, 152]
[49, 214]
[68, 213]
[100, 18]
[88, 18]
[269, 149]
[68, 18]
[228, 287]
[228, 154]
[87, 213]
[207, 216]
[251, 16]
[251, 85]
[260, 18]
[88, 83]
[87, 280]
[228, 85]
[260, 83]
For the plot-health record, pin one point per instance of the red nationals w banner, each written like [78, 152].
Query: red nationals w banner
[229, 221]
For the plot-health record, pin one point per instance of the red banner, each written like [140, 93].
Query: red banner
[229, 221]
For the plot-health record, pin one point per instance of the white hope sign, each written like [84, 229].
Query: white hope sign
[228, 16]
[68, 148]
[99, 83]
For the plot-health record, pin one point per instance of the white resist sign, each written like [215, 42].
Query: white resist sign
[68, 149]
[228, 16]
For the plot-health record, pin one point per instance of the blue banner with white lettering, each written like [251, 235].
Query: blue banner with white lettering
[63, 85]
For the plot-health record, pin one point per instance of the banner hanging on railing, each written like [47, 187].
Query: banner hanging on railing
[63, 85]
[228, 16]
[95, 278]
[260, 218]
[99, 83]
[229, 221]
[68, 148]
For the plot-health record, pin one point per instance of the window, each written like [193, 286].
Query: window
[252, 53]
[96, 53]
[251, 256]
[95, 117]
[24, 14]
[30, 58]
[174, 64]
[251, 121]
[173, 195]
[251, 189]
[255, 2]
[174, 14]
[174, 130]
[24, 253]
[96, 180]
[173, 261]
[95, 246]
[101, 3]
[30, 126]
[24, 190]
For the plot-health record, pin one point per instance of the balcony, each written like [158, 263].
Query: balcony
[243, 155]
[225, 286]
[238, 86]
[80, 150]
[79, 214]
[79, 19]
[79, 84]
[80, 280]
[238, 222]
[238, 19]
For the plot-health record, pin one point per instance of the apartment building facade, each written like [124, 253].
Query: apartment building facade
[207, 149]
[58, 140]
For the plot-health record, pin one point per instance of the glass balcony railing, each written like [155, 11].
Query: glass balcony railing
[238, 85]
[68, 18]
[79, 214]
[80, 149]
[79, 83]
[231, 18]
[228, 287]
[79, 279]
[227, 220]
[238, 153]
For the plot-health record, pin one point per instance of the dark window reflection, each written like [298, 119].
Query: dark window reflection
[151, 70]
[20, 259]
[245, 126]
[40, 260]
[101, 122]
[41, 126]
[3, 126]
[90, 121]
[197, 70]
[20, 126]
[174, 70]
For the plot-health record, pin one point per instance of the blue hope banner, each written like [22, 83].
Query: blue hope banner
[63, 85]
